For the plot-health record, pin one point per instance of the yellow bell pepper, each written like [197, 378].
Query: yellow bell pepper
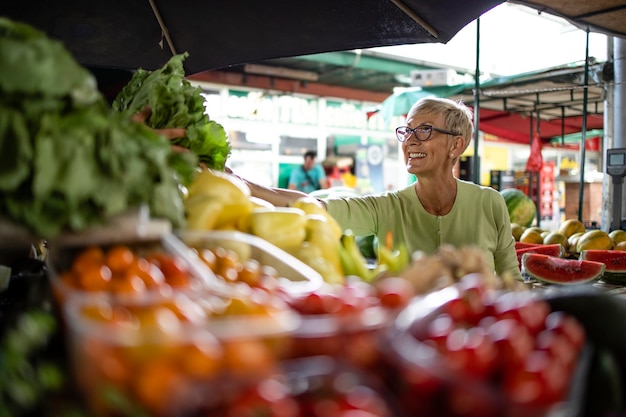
[216, 200]
[281, 226]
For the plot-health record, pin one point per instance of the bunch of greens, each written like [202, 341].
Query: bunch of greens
[67, 160]
[175, 103]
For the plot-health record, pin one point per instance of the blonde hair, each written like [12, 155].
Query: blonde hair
[459, 118]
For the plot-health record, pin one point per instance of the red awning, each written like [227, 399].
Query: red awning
[516, 127]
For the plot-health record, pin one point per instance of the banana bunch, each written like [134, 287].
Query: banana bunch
[389, 261]
[396, 257]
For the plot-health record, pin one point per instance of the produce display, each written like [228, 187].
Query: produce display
[219, 201]
[243, 309]
[572, 254]
[134, 269]
[471, 351]
[68, 160]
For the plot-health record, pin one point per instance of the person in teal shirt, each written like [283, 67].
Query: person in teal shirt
[437, 208]
[309, 176]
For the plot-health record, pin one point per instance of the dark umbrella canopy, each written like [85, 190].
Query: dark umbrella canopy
[605, 16]
[130, 34]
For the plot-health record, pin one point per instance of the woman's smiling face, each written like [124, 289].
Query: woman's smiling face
[432, 155]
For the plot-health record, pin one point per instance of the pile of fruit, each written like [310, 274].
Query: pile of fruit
[471, 351]
[219, 201]
[571, 254]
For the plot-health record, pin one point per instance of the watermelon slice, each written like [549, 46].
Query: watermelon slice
[554, 270]
[614, 260]
[524, 245]
[554, 249]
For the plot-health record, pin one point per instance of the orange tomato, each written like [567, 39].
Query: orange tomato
[226, 259]
[248, 358]
[119, 258]
[176, 274]
[128, 284]
[201, 359]
[151, 275]
[95, 277]
[157, 385]
[208, 257]
[89, 257]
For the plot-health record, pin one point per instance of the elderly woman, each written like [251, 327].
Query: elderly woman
[437, 208]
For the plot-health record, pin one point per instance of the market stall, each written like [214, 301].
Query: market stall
[137, 284]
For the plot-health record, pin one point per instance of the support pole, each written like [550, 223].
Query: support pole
[583, 136]
[476, 168]
[618, 185]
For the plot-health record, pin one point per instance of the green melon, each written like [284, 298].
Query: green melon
[554, 270]
[614, 261]
[522, 209]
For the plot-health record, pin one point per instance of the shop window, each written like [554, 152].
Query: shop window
[239, 140]
[291, 146]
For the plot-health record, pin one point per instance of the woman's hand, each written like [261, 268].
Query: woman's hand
[169, 133]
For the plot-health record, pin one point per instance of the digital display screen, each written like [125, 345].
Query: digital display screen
[617, 159]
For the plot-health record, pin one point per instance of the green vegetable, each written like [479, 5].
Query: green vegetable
[175, 103]
[26, 374]
[67, 160]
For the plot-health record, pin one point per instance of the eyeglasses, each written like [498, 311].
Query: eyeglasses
[422, 132]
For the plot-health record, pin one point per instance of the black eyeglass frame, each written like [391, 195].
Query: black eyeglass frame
[404, 138]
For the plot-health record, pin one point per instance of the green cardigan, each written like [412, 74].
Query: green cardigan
[479, 217]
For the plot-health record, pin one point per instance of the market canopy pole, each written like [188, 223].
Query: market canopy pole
[583, 136]
[476, 167]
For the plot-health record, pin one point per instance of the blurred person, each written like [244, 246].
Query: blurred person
[309, 176]
[437, 208]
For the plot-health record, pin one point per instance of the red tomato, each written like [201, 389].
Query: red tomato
[394, 292]
[176, 273]
[533, 314]
[459, 310]
[270, 398]
[559, 347]
[356, 296]
[567, 325]
[317, 303]
[471, 351]
[355, 401]
[468, 308]
[540, 382]
[524, 309]
[512, 340]
[437, 331]
[467, 401]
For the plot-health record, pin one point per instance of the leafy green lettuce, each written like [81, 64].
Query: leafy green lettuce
[175, 103]
[67, 160]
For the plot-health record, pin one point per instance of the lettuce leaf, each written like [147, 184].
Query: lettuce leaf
[175, 103]
[67, 160]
